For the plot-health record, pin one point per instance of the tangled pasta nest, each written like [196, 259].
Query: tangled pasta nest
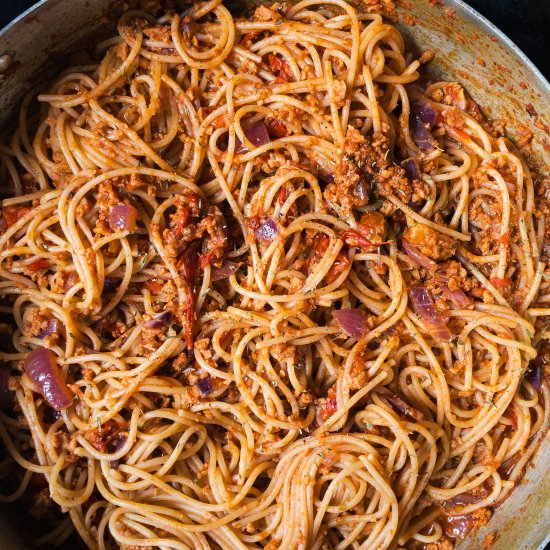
[267, 291]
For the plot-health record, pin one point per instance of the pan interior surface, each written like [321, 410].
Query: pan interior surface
[502, 81]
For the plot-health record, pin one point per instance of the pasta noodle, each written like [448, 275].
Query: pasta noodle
[289, 293]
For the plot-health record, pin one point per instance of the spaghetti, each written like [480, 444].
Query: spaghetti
[267, 290]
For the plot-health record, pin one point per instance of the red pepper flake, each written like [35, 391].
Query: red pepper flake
[320, 243]
[249, 38]
[154, 285]
[275, 128]
[328, 409]
[531, 110]
[283, 194]
[253, 223]
[340, 265]
[100, 438]
[505, 239]
[37, 265]
[500, 282]
[279, 67]
[523, 86]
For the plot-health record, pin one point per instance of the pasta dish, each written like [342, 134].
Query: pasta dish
[265, 286]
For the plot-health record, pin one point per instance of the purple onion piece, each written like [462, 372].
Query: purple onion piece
[325, 176]
[352, 321]
[257, 135]
[118, 443]
[225, 271]
[424, 307]
[162, 320]
[533, 375]
[417, 257]
[411, 167]
[71, 280]
[7, 396]
[420, 134]
[403, 409]
[267, 231]
[536, 369]
[52, 328]
[463, 499]
[114, 447]
[204, 385]
[425, 111]
[123, 216]
[362, 190]
[457, 296]
[41, 367]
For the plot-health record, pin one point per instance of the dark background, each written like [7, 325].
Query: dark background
[526, 22]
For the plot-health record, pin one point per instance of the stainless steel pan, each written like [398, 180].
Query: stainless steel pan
[468, 49]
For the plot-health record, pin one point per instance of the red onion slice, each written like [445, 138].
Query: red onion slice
[123, 216]
[225, 271]
[204, 385]
[354, 322]
[425, 111]
[464, 499]
[325, 175]
[420, 134]
[535, 371]
[412, 168]
[52, 328]
[7, 396]
[424, 307]
[257, 135]
[267, 231]
[402, 408]
[114, 447]
[71, 280]
[162, 320]
[457, 296]
[418, 258]
[41, 367]
[533, 375]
